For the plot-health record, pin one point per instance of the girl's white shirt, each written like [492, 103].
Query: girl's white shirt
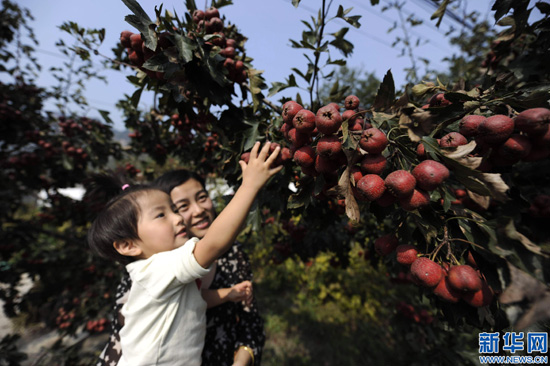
[165, 315]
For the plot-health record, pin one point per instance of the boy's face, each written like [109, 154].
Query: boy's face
[196, 207]
[160, 229]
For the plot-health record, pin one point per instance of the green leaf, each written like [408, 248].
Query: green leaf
[141, 21]
[135, 97]
[251, 135]
[342, 44]
[440, 12]
[185, 47]
[502, 7]
[295, 3]
[386, 93]
[105, 115]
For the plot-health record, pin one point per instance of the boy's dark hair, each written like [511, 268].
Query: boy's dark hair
[174, 178]
[118, 218]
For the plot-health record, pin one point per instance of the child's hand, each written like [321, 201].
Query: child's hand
[241, 292]
[258, 170]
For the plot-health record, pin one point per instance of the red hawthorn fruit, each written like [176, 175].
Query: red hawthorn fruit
[215, 24]
[230, 42]
[304, 121]
[325, 165]
[136, 42]
[284, 155]
[198, 15]
[285, 128]
[328, 120]
[212, 12]
[421, 151]
[125, 38]
[335, 106]
[329, 146]
[406, 254]
[400, 183]
[453, 139]
[515, 148]
[358, 125]
[386, 244]
[495, 129]
[297, 138]
[446, 292]
[468, 125]
[305, 156]
[350, 116]
[245, 157]
[228, 52]
[430, 174]
[351, 102]
[290, 109]
[371, 187]
[426, 272]
[356, 173]
[373, 141]
[416, 200]
[373, 164]
[464, 278]
[135, 58]
[480, 298]
[533, 121]
[438, 100]
[310, 170]
[220, 40]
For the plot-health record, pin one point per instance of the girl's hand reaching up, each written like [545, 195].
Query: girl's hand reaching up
[258, 170]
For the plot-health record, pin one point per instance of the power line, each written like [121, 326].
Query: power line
[391, 21]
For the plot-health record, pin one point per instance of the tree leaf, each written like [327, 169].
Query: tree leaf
[141, 21]
[251, 135]
[440, 12]
[386, 93]
[185, 47]
[295, 3]
[344, 188]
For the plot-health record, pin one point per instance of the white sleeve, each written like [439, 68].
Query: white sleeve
[165, 272]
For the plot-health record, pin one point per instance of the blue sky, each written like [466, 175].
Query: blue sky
[268, 25]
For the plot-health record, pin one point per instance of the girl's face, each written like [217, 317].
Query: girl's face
[160, 228]
[196, 207]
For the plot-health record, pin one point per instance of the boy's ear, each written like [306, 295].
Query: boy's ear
[127, 248]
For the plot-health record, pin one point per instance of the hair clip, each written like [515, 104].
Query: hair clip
[125, 186]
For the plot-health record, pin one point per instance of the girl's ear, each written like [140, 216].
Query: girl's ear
[127, 248]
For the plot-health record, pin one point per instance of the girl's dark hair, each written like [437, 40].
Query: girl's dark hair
[174, 178]
[118, 214]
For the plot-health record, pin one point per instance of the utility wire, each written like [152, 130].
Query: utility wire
[391, 21]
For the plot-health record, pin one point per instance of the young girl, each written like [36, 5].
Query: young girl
[164, 316]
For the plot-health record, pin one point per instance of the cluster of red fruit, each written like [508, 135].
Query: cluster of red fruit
[97, 326]
[209, 21]
[65, 318]
[505, 140]
[185, 126]
[421, 316]
[450, 283]
[138, 53]
[318, 150]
